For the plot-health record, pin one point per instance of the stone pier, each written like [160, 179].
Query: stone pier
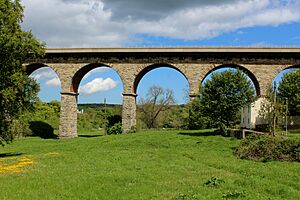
[68, 116]
[129, 112]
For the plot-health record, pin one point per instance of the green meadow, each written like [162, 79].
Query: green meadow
[144, 165]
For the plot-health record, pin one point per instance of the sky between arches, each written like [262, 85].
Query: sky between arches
[104, 82]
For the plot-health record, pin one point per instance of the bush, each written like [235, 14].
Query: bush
[42, 129]
[20, 128]
[234, 195]
[115, 129]
[133, 129]
[267, 148]
[262, 127]
[114, 119]
[214, 182]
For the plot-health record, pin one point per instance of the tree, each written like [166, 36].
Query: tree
[272, 111]
[223, 96]
[196, 119]
[175, 117]
[158, 99]
[289, 90]
[17, 90]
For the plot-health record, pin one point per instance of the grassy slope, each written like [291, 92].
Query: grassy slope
[149, 165]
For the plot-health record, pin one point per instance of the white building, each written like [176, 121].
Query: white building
[251, 114]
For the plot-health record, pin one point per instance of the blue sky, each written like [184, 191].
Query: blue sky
[107, 23]
[261, 36]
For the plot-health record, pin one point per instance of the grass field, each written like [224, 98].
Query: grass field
[294, 133]
[146, 165]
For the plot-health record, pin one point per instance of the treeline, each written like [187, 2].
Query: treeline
[93, 117]
[176, 117]
[42, 118]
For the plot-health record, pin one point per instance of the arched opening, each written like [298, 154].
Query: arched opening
[50, 86]
[227, 91]
[154, 85]
[235, 67]
[99, 103]
[152, 67]
[43, 120]
[287, 84]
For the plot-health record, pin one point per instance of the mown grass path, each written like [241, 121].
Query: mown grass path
[146, 165]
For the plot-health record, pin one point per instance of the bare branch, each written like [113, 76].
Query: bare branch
[158, 100]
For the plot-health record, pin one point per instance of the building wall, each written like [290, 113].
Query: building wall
[251, 114]
[246, 116]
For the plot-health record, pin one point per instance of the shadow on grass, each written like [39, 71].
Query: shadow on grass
[42, 129]
[89, 136]
[205, 133]
[4, 155]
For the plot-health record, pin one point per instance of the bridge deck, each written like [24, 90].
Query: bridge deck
[178, 50]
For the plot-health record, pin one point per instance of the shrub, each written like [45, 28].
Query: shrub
[20, 128]
[267, 148]
[214, 182]
[115, 129]
[114, 119]
[234, 195]
[42, 129]
[262, 127]
[133, 129]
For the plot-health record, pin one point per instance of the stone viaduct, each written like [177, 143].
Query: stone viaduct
[71, 64]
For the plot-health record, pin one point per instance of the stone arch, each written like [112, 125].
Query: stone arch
[148, 68]
[290, 67]
[29, 69]
[286, 67]
[79, 74]
[282, 69]
[243, 69]
[292, 112]
[35, 66]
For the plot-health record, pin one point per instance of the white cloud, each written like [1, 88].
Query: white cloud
[94, 71]
[211, 21]
[99, 23]
[46, 75]
[53, 82]
[98, 85]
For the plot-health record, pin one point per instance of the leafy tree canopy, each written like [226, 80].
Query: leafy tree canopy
[223, 96]
[289, 88]
[17, 90]
[197, 119]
